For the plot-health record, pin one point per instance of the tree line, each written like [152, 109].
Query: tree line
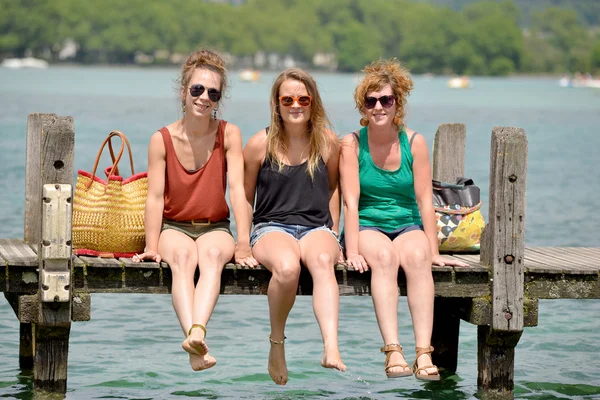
[482, 38]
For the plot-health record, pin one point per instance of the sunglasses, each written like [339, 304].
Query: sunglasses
[213, 94]
[288, 101]
[385, 101]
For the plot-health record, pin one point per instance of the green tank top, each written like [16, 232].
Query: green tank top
[387, 198]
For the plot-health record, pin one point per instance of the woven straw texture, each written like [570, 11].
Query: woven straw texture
[108, 216]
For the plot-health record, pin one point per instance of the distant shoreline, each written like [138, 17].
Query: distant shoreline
[311, 70]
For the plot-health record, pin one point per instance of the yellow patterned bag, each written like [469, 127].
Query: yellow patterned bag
[459, 220]
[108, 215]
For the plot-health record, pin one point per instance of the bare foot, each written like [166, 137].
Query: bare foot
[424, 360]
[195, 344]
[277, 366]
[398, 358]
[200, 362]
[333, 359]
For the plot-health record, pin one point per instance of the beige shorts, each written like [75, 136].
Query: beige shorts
[195, 230]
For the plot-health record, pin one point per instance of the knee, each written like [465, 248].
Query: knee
[323, 263]
[182, 257]
[418, 258]
[287, 271]
[387, 259]
[214, 255]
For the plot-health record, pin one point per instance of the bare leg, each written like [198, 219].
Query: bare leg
[214, 250]
[319, 252]
[280, 254]
[415, 259]
[380, 255]
[180, 252]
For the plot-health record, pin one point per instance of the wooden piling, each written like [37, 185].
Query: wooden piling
[448, 158]
[504, 251]
[48, 193]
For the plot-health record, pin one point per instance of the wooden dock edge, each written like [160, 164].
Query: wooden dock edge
[494, 294]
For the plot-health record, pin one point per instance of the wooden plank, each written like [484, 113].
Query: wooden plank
[553, 286]
[99, 262]
[567, 265]
[558, 254]
[17, 253]
[448, 152]
[590, 255]
[546, 265]
[504, 239]
[572, 256]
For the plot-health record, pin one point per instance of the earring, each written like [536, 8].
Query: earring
[214, 113]
[396, 120]
[183, 108]
[364, 122]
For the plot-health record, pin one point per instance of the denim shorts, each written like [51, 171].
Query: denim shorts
[295, 231]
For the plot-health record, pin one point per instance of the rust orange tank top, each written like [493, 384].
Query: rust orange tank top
[199, 194]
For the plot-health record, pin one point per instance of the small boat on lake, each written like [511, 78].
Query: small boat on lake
[459, 82]
[27, 62]
[249, 75]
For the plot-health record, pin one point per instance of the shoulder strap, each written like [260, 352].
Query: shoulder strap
[412, 138]
[267, 130]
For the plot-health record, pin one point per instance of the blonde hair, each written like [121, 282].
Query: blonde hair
[385, 72]
[204, 59]
[318, 123]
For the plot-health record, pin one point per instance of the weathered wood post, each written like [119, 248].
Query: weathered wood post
[503, 249]
[48, 194]
[448, 164]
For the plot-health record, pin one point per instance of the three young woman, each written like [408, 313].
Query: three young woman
[287, 178]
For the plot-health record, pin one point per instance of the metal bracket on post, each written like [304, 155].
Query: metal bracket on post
[55, 255]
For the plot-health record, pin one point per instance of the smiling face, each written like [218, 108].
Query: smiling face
[379, 115]
[201, 106]
[295, 114]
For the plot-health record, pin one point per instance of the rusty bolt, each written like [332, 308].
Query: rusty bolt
[509, 258]
[508, 316]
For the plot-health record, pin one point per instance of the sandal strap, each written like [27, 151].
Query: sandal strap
[391, 347]
[389, 366]
[277, 341]
[420, 352]
[427, 373]
[197, 326]
[424, 350]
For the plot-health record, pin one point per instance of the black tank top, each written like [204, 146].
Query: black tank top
[291, 196]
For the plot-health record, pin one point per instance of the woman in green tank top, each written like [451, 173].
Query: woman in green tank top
[389, 221]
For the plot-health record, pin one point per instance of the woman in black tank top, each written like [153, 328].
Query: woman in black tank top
[291, 168]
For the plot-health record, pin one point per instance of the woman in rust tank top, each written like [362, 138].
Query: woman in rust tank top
[187, 217]
[292, 168]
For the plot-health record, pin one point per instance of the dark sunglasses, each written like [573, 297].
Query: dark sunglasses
[213, 94]
[288, 101]
[385, 101]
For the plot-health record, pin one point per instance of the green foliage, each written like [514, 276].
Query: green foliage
[439, 36]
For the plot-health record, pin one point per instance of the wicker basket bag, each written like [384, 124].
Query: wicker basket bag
[108, 216]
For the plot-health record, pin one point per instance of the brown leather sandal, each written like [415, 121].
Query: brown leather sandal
[388, 349]
[429, 377]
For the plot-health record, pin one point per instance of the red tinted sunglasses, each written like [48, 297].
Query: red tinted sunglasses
[288, 101]
[385, 101]
[213, 94]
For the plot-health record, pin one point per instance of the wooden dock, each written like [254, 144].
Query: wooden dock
[48, 287]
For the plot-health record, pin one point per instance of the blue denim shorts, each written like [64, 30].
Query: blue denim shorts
[295, 231]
